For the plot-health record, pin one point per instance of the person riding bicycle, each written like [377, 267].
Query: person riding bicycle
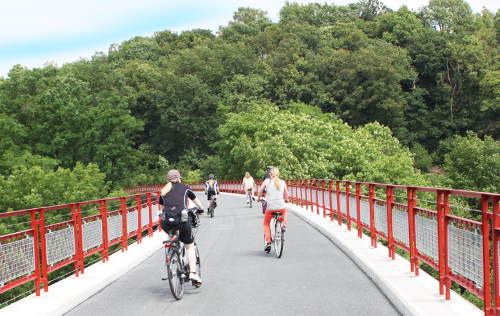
[211, 188]
[248, 185]
[267, 175]
[277, 196]
[174, 197]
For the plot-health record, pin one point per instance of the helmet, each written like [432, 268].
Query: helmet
[269, 168]
[211, 176]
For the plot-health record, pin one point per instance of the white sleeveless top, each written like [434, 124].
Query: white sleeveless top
[275, 199]
[248, 183]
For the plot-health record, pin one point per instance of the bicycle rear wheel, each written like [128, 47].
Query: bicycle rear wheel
[278, 238]
[250, 199]
[198, 260]
[175, 273]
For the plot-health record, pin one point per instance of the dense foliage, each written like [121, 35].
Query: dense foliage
[310, 93]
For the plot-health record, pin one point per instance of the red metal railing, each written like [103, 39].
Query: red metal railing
[46, 239]
[418, 221]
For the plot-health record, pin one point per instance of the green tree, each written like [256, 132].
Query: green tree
[473, 164]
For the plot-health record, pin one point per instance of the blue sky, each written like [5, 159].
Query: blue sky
[34, 32]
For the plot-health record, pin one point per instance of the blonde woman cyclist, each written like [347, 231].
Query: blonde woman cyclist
[211, 189]
[174, 196]
[277, 196]
[248, 186]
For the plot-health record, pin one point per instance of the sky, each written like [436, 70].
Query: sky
[34, 33]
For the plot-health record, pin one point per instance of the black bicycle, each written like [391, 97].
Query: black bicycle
[176, 258]
[212, 204]
[250, 197]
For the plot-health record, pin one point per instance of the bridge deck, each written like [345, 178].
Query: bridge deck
[313, 276]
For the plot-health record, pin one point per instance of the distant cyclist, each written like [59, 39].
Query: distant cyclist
[248, 185]
[174, 197]
[211, 188]
[267, 175]
[277, 195]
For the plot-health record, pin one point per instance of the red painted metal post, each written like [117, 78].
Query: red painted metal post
[371, 199]
[339, 213]
[410, 198]
[347, 204]
[139, 217]
[316, 182]
[150, 212]
[441, 243]
[389, 198]
[35, 225]
[486, 255]
[76, 211]
[311, 202]
[306, 188]
[104, 222]
[158, 206]
[323, 187]
[123, 210]
[330, 192]
[301, 192]
[44, 277]
[358, 210]
[496, 240]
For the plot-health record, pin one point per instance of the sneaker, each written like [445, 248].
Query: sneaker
[267, 248]
[248, 202]
[195, 279]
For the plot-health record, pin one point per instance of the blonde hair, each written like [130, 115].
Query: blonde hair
[248, 175]
[211, 182]
[168, 187]
[275, 177]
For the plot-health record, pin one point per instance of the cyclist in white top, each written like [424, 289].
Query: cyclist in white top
[248, 185]
[277, 196]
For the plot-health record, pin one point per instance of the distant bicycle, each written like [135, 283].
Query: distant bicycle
[249, 197]
[176, 258]
[212, 204]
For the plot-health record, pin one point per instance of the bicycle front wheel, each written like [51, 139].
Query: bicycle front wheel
[175, 273]
[278, 238]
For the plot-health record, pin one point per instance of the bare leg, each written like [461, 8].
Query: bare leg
[191, 257]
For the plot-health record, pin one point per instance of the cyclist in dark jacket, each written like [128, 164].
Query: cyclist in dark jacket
[174, 198]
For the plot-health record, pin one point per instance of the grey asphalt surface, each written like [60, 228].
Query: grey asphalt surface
[313, 277]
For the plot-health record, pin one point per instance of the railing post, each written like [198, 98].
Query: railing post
[306, 188]
[103, 210]
[496, 240]
[76, 212]
[150, 212]
[44, 278]
[138, 203]
[330, 192]
[486, 255]
[339, 213]
[317, 195]
[347, 203]
[311, 202]
[158, 206]
[123, 210]
[411, 202]
[358, 210]
[389, 198]
[371, 199]
[301, 183]
[35, 223]
[323, 187]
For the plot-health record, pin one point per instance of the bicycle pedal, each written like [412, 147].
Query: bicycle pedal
[195, 283]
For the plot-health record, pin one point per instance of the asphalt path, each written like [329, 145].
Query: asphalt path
[313, 277]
